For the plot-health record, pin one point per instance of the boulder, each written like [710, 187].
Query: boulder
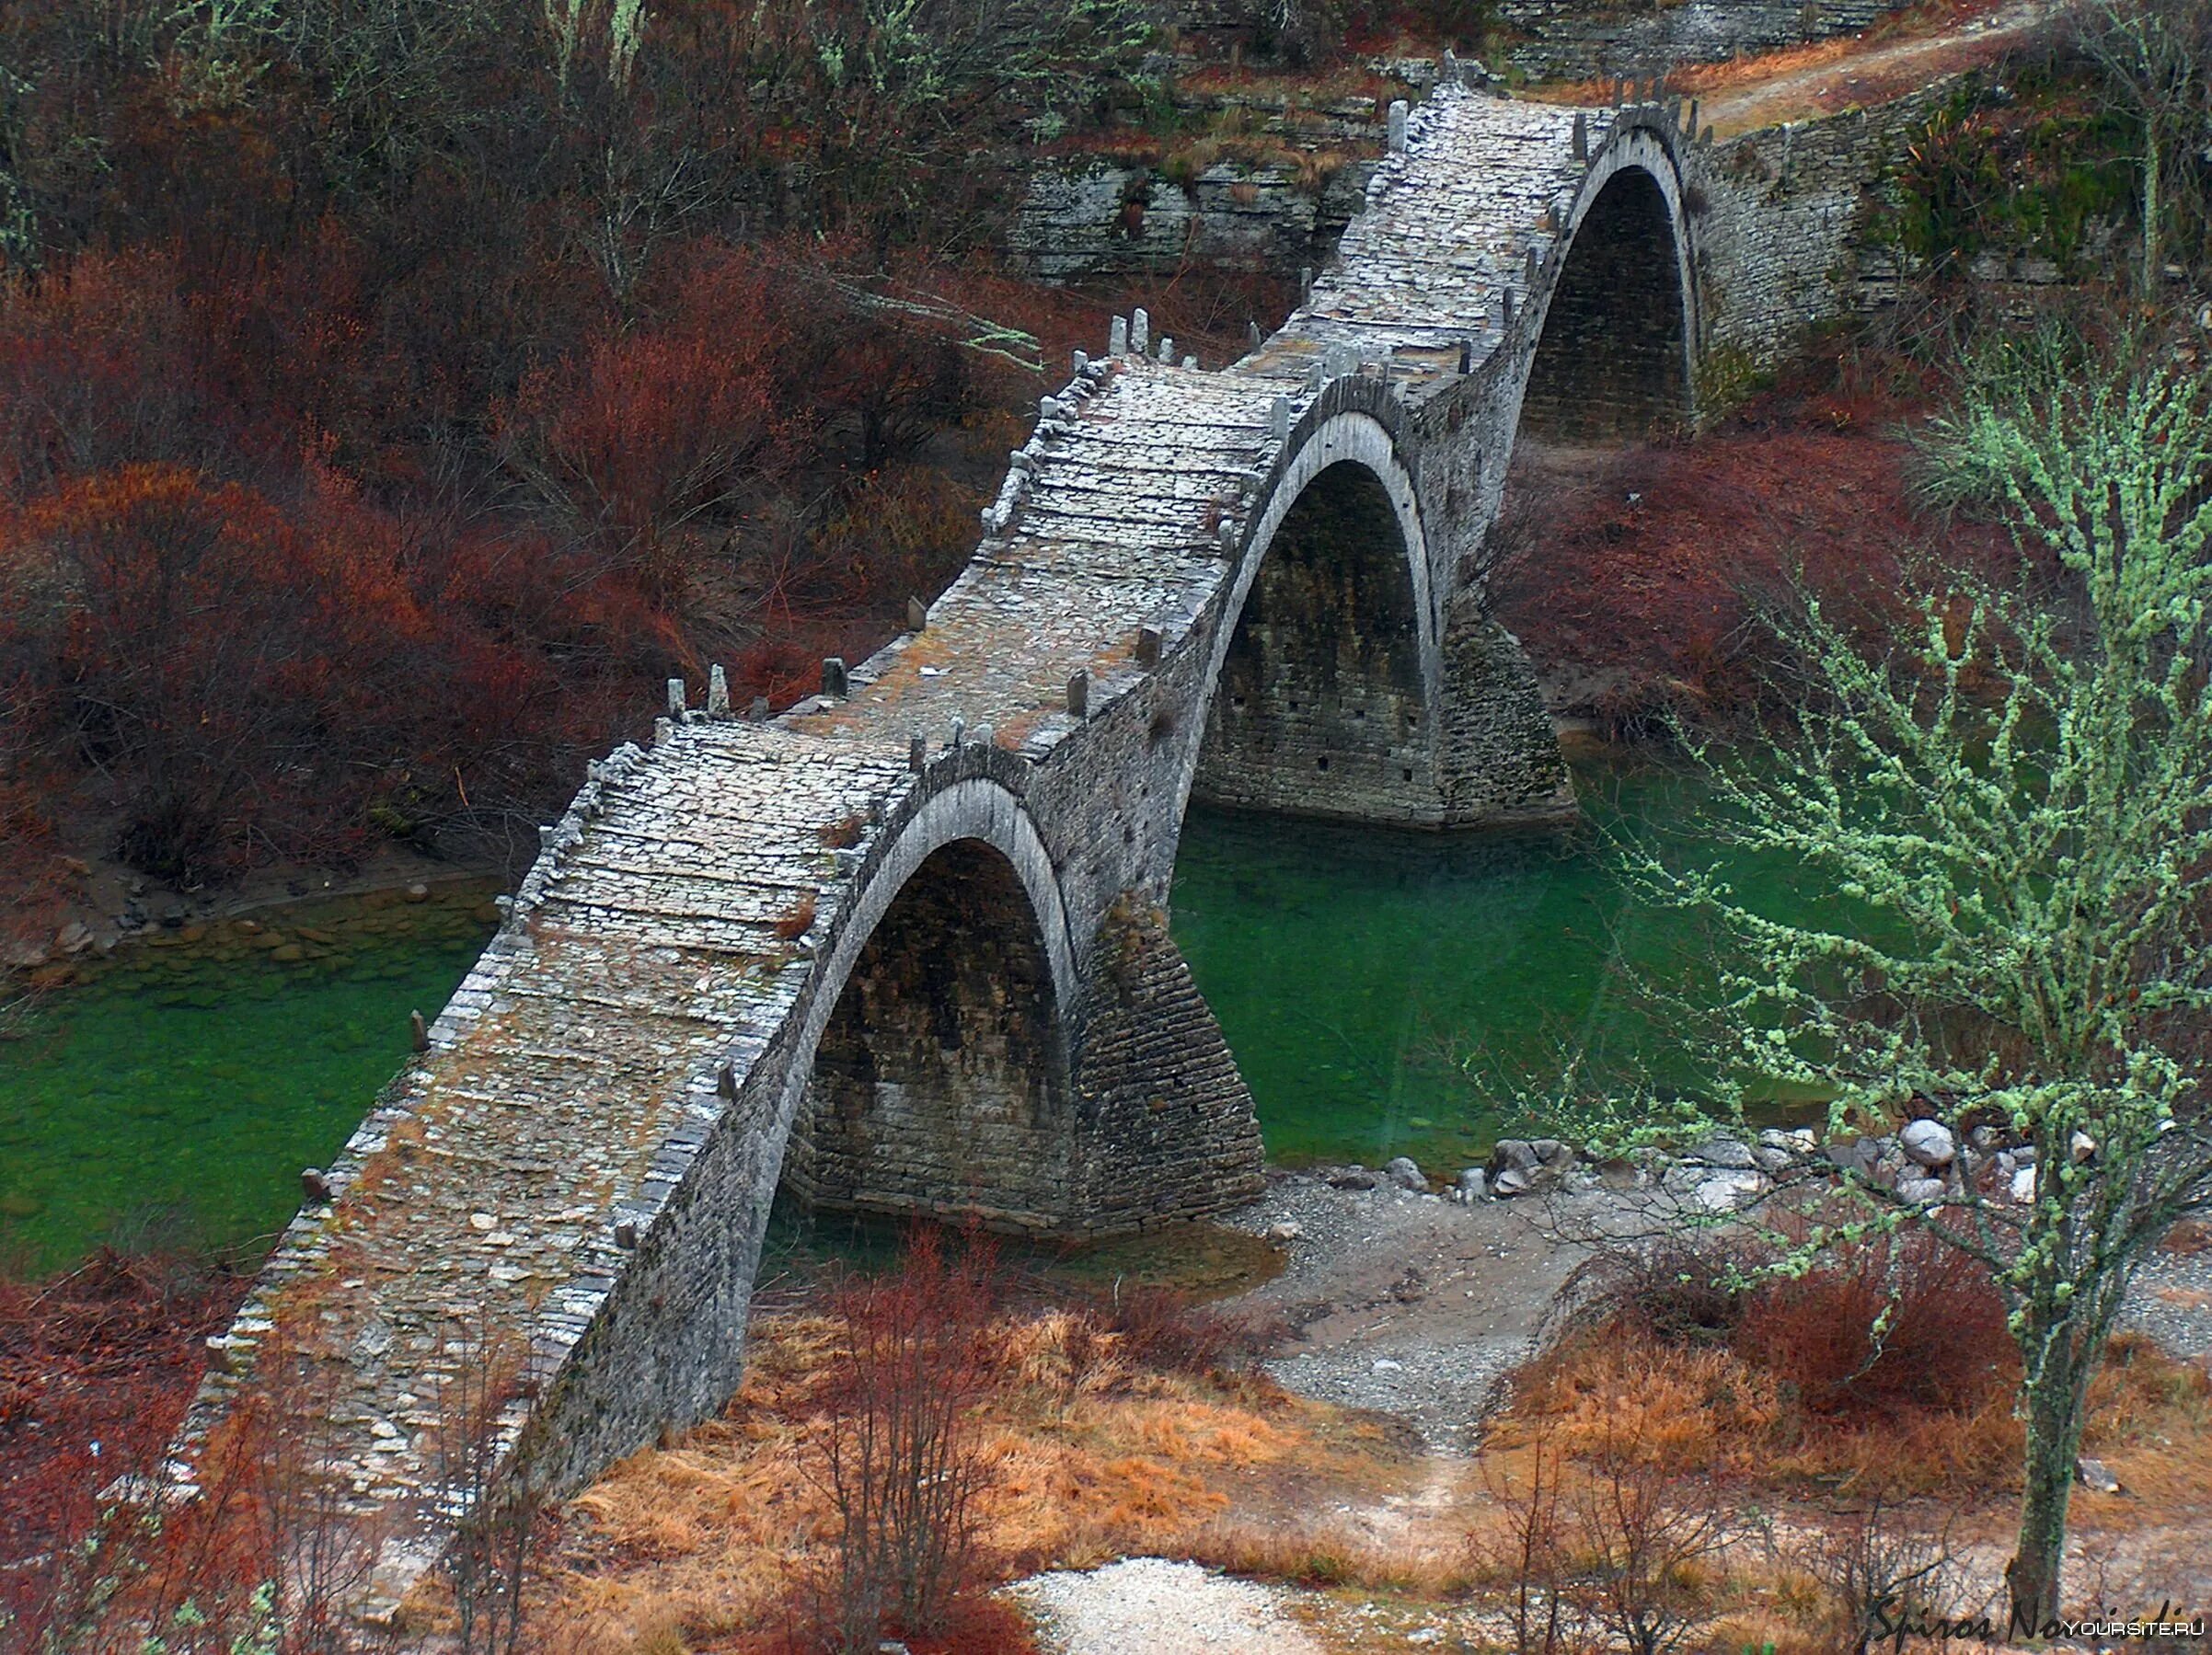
[1772, 1161]
[2023, 1184]
[1854, 1156]
[1987, 1139]
[1512, 1181]
[1403, 1171]
[1928, 1143]
[1731, 1154]
[1517, 1154]
[1728, 1189]
[74, 938]
[2083, 1147]
[2095, 1475]
[1473, 1185]
[1920, 1192]
[1552, 1155]
[1351, 1177]
[1285, 1233]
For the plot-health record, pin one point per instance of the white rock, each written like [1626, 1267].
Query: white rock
[1726, 1190]
[2083, 1146]
[1930, 1142]
[1287, 1231]
[2023, 1184]
[1404, 1172]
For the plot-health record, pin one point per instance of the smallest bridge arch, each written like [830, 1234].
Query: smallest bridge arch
[937, 1080]
[1613, 360]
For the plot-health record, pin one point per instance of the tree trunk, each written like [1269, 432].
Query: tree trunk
[2153, 163]
[2054, 1400]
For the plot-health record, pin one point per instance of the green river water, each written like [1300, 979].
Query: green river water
[185, 1084]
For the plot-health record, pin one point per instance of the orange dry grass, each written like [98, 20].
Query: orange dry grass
[1692, 1409]
[2150, 1422]
[1094, 1457]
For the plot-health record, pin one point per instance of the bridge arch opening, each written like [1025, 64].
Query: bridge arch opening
[1321, 708]
[1613, 362]
[939, 1082]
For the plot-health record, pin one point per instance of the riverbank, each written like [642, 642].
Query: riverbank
[103, 904]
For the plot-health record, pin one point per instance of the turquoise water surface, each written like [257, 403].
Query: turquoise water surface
[1381, 992]
[174, 1097]
[1386, 993]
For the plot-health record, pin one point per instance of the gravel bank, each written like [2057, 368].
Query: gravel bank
[1148, 1606]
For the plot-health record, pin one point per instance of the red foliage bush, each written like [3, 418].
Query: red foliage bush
[1875, 1330]
[1887, 1327]
[647, 429]
[253, 679]
[96, 1368]
[1638, 579]
[902, 1456]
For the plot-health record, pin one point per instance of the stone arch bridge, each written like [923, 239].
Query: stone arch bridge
[903, 947]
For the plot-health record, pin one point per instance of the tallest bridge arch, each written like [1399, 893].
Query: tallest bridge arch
[729, 938]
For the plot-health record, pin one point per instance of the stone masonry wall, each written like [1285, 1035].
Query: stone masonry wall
[1170, 1129]
[1611, 364]
[1782, 217]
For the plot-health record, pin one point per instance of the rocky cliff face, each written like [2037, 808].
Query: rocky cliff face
[1092, 217]
[1575, 40]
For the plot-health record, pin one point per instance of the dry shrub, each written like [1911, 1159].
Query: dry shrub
[1638, 577]
[1874, 1566]
[1885, 1328]
[1170, 1332]
[1888, 1361]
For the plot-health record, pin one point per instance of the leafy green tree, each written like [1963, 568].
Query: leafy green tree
[2013, 804]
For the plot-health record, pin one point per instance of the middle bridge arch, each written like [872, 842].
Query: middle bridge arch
[1322, 684]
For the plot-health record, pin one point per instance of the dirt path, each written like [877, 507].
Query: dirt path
[1736, 97]
[1408, 1305]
